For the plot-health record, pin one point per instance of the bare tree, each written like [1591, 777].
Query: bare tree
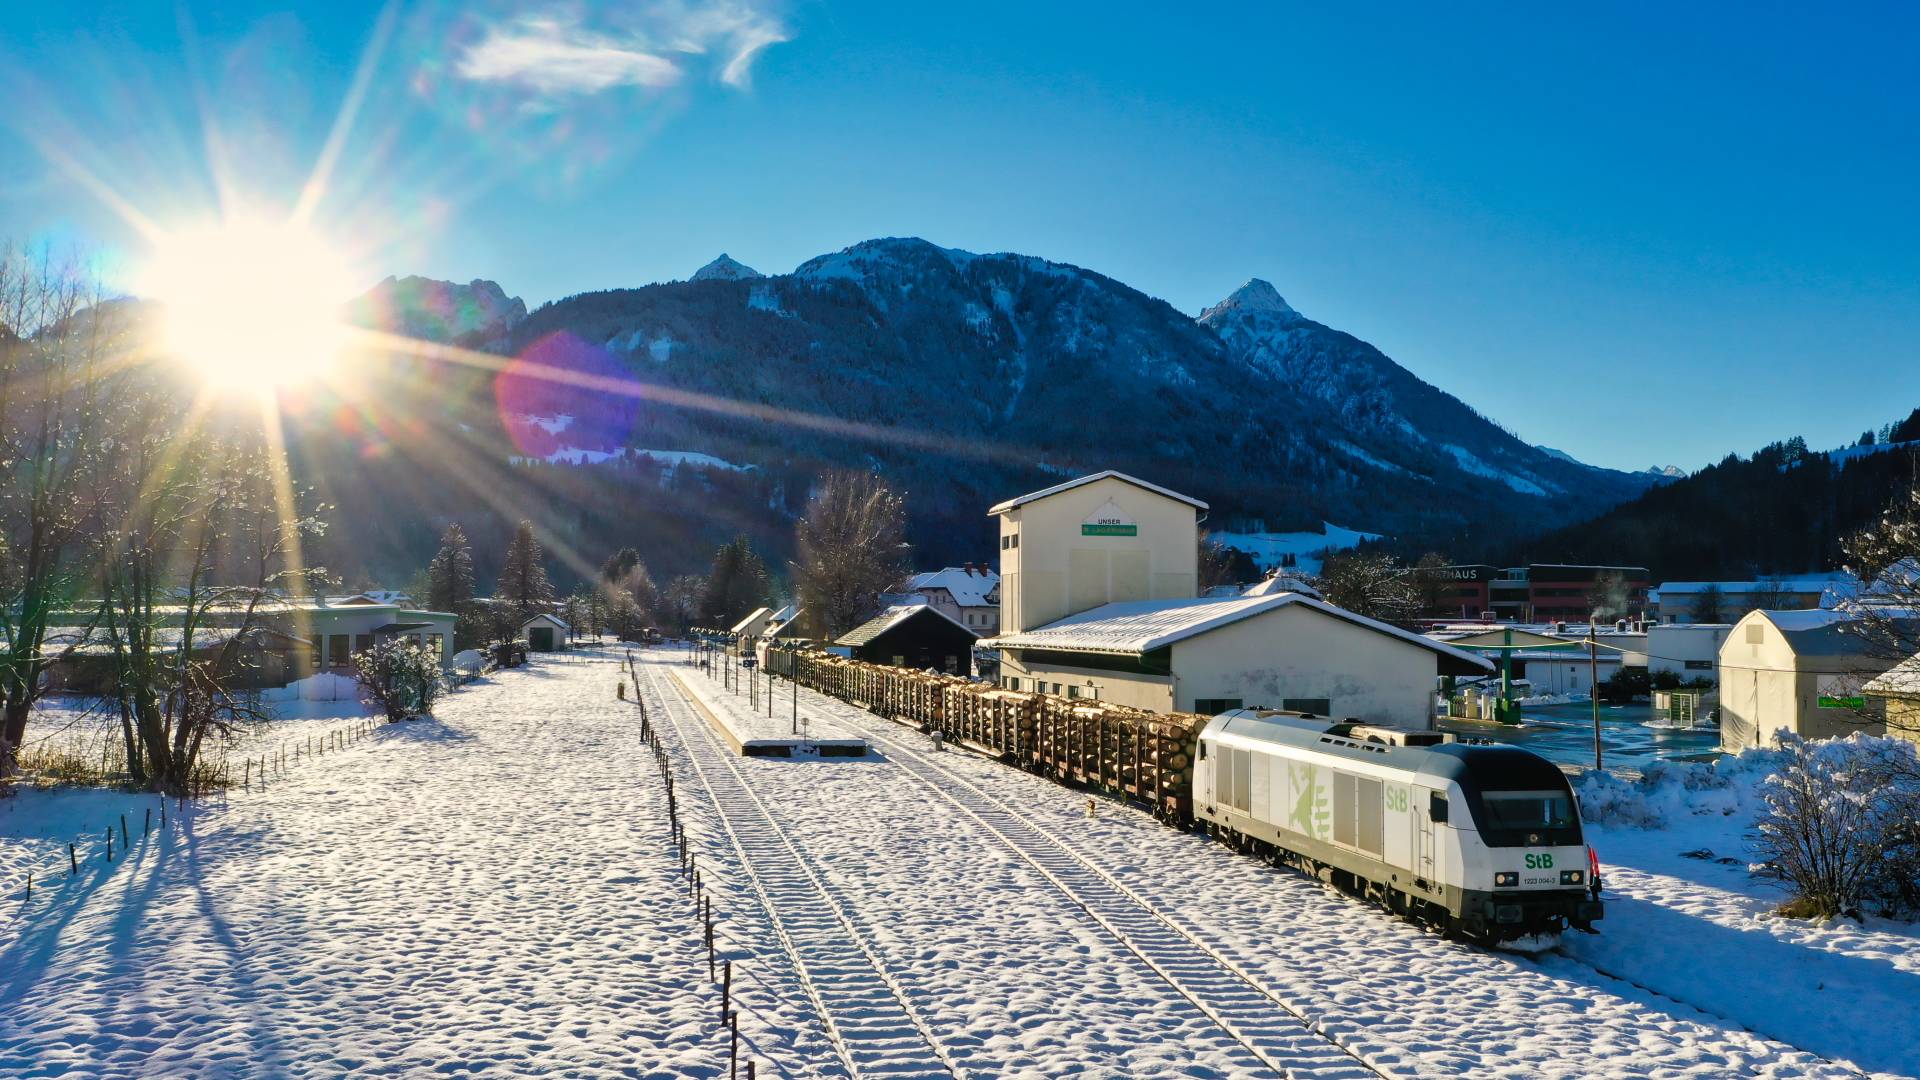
[56, 338]
[1770, 593]
[188, 580]
[1885, 556]
[680, 602]
[1709, 604]
[1370, 584]
[852, 548]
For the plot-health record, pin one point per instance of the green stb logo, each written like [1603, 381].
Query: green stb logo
[1397, 799]
[1108, 528]
[1542, 861]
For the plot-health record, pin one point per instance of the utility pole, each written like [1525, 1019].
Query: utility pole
[1593, 681]
[796, 693]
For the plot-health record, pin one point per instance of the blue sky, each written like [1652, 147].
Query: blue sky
[1643, 235]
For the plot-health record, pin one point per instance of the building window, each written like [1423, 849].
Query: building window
[1212, 706]
[1073, 691]
[1318, 706]
[1756, 634]
[434, 644]
[337, 650]
[1016, 540]
[313, 651]
[362, 642]
[1006, 542]
[1699, 665]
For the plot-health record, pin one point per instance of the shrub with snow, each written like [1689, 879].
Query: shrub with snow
[1841, 822]
[400, 678]
[1670, 790]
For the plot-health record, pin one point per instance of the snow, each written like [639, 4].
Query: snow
[1676, 849]
[1380, 463]
[1471, 464]
[1308, 548]
[726, 268]
[492, 892]
[320, 686]
[1255, 295]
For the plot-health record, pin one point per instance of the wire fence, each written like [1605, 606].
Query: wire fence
[719, 969]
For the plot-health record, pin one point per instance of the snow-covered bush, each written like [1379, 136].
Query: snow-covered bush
[1840, 820]
[1669, 790]
[400, 678]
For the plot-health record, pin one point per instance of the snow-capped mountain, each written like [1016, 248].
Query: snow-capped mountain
[968, 376]
[1392, 420]
[726, 268]
[962, 377]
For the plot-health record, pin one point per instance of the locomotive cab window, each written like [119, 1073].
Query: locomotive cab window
[1528, 818]
[1437, 807]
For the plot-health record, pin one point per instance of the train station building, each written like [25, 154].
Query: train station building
[1099, 582]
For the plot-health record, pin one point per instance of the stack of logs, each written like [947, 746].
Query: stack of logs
[1134, 753]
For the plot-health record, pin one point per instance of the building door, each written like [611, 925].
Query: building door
[540, 638]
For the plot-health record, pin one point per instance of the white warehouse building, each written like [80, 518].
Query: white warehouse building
[1098, 583]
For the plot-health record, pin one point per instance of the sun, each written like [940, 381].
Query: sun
[251, 304]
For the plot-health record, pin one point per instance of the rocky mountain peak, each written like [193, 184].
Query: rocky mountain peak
[1255, 295]
[726, 268]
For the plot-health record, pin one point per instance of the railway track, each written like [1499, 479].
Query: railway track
[1280, 1034]
[869, 1018]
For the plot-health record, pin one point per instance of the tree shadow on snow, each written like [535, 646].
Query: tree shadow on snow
[1837, 1005]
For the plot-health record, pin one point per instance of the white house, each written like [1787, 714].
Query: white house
[1099, 578]
[968, 595]
[745, 632]
[544, 633]
[1796, 671]
[1689, 651]
[1680, 601]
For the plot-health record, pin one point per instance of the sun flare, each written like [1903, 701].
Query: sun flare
[251, 304]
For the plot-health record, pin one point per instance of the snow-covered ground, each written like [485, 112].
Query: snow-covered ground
[492, 893]
[1687, 917]
[1309, 549]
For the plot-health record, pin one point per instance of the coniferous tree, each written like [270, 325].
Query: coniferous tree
[736, 585]
[450, 574]
[523, 590]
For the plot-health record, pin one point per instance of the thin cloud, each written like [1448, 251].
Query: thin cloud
[555, 56]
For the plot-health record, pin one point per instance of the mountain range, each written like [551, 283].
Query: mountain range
[682, 411]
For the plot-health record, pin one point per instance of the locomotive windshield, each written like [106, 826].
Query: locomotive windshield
[1529, 817]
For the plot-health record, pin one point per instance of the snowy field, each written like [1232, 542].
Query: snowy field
[493, 893]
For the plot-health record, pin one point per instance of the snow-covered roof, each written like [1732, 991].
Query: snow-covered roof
[1132, 627]
[1903, 678]
[1282, 583]
[753, 618]
[969, 588]
[1003, 507]
[96, 643]
[544, 617]
[891, 618]
[1816, 631]
[1838, 582]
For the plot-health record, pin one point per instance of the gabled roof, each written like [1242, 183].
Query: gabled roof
[1001, 508]
[1133, 627]
[1816, 631]
[892, 617]
[756, 615]
[544, 617]
[968, 589]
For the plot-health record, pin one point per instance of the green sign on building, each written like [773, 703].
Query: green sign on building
[1101, 528]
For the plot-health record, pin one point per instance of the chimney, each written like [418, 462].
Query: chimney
[969, 568]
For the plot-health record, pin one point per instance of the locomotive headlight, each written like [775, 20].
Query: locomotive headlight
[1506, 879]
[1570, 877]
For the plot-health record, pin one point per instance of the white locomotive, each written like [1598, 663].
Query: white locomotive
[1482, 839]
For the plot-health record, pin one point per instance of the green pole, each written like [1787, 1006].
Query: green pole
[1508, 709]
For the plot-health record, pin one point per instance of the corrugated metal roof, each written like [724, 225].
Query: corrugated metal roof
[1133, 627]
[1001, 508]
